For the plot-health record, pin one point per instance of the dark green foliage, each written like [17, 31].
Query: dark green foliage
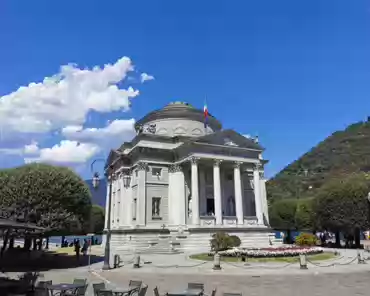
[96, 224]
[222, 241]
[305, 216]
[282, 214]
[342, 153]
[342, 204]
[49, 196]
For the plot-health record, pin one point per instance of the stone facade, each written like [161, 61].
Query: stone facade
[185, 181]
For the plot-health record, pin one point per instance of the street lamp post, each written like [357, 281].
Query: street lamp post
[96, 179]
[95, 183]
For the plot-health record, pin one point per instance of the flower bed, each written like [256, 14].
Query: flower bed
[290, 251]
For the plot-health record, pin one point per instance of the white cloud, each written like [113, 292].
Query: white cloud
[66, 98]
[67, 152]
[118, 130]
[146, 77]
[31, 149]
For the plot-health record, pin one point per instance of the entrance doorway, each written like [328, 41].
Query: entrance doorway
[210, 206]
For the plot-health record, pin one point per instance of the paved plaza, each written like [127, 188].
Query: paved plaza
[341, 276]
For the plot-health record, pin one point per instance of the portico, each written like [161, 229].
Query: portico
[186, 178]
[216, 193]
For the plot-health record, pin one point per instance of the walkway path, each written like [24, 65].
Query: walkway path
[341, 279]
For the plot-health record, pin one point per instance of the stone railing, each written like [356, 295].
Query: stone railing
[207, 221]
[250, 221]
[229, 220]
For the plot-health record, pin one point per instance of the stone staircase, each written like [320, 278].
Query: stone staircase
[165, 244]
[186, 241]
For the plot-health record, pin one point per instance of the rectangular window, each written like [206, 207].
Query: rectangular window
[156, 172]
[156, 207]
[136, 173]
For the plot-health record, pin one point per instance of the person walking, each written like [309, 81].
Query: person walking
[77, 249]
[85, 247]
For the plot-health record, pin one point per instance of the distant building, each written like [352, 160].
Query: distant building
[188, 180]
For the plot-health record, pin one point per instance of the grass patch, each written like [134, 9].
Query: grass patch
[68, 251]
[316, 257]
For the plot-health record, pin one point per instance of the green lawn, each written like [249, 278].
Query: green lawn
[317, 257]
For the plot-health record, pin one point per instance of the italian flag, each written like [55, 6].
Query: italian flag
[205, 112]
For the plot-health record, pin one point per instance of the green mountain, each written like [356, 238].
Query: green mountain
[341, 153]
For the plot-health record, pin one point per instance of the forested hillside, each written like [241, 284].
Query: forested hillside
[341, 153]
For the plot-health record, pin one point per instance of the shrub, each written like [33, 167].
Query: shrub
[235, 241]
[222, 241]
[306, 239]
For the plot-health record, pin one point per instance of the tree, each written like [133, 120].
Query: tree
[342, 153]
[305, 215]
[48, 196]
[96, 221]
[282, 215]
[342, 205]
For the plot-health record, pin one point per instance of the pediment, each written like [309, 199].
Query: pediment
[229, 138]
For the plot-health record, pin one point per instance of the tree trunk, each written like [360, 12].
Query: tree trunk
[288, 236]
[11, 243]
[47, 244]
[5, 242]
[337, 239]
[357, 238]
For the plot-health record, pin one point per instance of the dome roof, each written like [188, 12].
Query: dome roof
[179, 110]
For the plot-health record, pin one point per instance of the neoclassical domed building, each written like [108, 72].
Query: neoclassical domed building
[182, 180]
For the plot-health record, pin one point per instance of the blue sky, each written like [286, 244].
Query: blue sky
[291, 72]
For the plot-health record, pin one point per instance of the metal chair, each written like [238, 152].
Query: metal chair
[41, 288]
[98, 287]
[79, 281]
[199, 286]
[105, 293]
[143, 290]
[156, 292]
[135, 283]
[81, 291]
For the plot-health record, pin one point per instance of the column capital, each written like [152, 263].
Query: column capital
[217, 162]
[194, 160]
[142, 166]
[237, 164]
[257, 166]
[174, 168]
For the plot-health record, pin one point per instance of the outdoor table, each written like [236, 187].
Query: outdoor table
[120, 291]
[63, 288]
[187, 291]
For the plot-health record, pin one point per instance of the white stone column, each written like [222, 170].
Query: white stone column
[119, 195]
[217, 191]
[107, 204]
[141, 194]
[238, 194]
[194, 191]
[113, 203]
[176, 196]
[264, 198]
[257, 195]
[126, 202]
